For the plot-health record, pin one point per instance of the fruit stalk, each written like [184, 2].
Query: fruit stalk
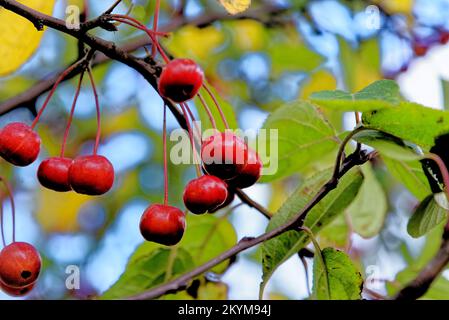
[72, 111]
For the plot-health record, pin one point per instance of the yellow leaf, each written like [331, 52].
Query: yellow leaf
[235, 6]
[249, 35]
[195, 43]
[396, 6]
[318, 81]
[58, 212]
[19, 38]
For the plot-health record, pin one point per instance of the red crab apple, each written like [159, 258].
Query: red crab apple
[205, 194]
[92, 175]
[16, 292]
[163, 224]
[227, 202]
[180, 80]
[19, 144]
[20, 265]
[250, 173]
[53, 173]
[224, 155]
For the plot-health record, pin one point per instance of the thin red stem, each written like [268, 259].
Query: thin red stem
[52, 91]
[155, 24]
[197, 129]
[220, 110]
[164, 141]
[126, 19]
[139, 26]
[13, 209]
[72, 111]
[209, 113]
[97, 107]
[184, 108]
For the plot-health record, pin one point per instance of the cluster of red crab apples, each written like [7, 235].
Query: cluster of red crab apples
[227, 162]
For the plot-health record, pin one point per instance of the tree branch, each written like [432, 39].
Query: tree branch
[150, 71]
[253, 204]
[30, 96]
[296, 222]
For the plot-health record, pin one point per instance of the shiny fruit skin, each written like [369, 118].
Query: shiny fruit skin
[227, 202]
[53, 173]
[19, 144]
[20, 265]
[92, 175]
[180, 80]
[205, 194]
[162, 224]
[224, 155]
[250, 173]
[17, 292]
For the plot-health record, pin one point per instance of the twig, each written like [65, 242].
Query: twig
[253, 204]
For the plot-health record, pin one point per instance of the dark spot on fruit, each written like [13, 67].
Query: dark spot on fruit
[440, 120]
[24, 290]
[25, 274]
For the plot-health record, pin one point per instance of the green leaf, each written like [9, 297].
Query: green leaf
[278, 250]
[303, 136]
[380, 94]
[387, 145]
[344, 280]
[410, 174]
[360, 66]
[410, 122]
[293, 56]
[370, 206]
[149, 267]
[427, 216]
[336, 233]
[152, 264]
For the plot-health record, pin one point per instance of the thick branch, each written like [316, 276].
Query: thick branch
[30, 96]
[149, 71]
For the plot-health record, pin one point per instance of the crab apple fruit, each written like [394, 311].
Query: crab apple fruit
[163, 224]
[53, 173]
[92, 175]
[224, 155]
[444, 37]
[250, 173]
[19, 144]
[180, 80]
[227, 202]
[20, 265]
[17, 292]
[420, 48]
[205, 194]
